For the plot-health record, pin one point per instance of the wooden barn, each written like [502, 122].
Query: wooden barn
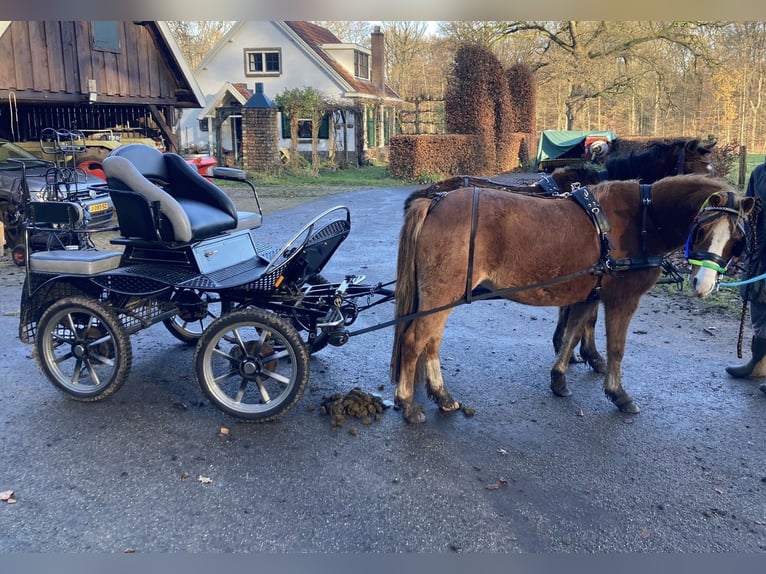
[109, 77]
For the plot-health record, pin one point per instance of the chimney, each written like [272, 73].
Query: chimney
[378, 55]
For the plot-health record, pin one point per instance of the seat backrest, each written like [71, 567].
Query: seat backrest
[66, 213]
[149, 161]
[122, 174]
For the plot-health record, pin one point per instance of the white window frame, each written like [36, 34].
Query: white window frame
[261, 53]
[358, 55]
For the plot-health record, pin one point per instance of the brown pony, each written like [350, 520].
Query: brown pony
[477, 237]
[655, 161]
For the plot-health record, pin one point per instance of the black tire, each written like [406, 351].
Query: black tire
[83, 348]
[19, 255]
[252, 365]
[199, 309]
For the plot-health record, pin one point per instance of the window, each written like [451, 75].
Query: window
[304, 128]
[263, 62]
[361, 65]
[106, 36]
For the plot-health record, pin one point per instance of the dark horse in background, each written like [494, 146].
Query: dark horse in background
[657, 160]
[478, 237]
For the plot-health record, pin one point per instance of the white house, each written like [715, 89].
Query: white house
[277, 56]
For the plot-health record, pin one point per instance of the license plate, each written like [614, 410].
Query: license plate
[96, 207]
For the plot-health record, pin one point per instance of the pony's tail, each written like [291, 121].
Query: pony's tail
[405, 293]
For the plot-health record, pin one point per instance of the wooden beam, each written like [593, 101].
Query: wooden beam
[167, 132]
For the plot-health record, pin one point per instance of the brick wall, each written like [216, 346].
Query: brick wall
[260, 139]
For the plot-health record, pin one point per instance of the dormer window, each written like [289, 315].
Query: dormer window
[263, 62]
[361, 65]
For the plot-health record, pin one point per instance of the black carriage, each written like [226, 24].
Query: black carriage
[185, 256]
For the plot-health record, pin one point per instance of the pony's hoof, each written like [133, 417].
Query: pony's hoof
[597, 363]
[559, 384]
[630, 408]
[450, 407]
[414, 414]
[626, 405]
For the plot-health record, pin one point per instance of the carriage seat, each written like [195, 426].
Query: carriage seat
[68, 217]
[206, 205]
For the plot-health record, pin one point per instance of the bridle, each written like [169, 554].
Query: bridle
[707, 214]
[682, 163]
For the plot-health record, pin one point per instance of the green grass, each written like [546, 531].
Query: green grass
[358, 177]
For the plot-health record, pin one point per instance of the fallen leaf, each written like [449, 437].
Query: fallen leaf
[205, 479]
[7, 496]
[224, 431]
[580, 413]
[499, 484]
[502, 451]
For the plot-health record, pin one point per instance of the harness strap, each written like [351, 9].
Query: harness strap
[645, 191]
[549, 185]
[472, 245]
[592, 207]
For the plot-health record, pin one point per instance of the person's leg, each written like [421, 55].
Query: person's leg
[757, 345]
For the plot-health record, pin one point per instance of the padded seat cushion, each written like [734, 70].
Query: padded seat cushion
[205, 220]
[74, 261]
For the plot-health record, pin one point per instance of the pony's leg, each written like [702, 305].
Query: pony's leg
[617, 319]
[588, 350]
[558, 334]
[432, 374]
[578, 315]
[561, 325]
[414, 343]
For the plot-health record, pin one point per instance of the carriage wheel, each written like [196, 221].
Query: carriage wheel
[197, 311]
[19, 255]
[252, 364]
[83, 348]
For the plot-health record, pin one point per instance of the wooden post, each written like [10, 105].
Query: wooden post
[742, 166]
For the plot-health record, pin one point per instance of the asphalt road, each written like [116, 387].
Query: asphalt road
[149, 470]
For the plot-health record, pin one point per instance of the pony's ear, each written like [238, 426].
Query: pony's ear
[717, 199]
[692, 145]
[747, 204]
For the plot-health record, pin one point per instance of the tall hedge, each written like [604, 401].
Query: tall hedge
[520, 82]
[470, 105]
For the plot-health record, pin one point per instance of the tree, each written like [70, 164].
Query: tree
[196, 38]
[591, 53]
[299, 103]
[352, 32]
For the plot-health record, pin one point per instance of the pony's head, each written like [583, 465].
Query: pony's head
[717, 235]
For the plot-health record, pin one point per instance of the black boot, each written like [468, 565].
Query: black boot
[758, 347]
[763, 387]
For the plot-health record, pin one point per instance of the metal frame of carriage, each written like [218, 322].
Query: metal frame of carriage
[254, 312]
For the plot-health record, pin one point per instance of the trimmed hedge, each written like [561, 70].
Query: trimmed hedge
[434, 157]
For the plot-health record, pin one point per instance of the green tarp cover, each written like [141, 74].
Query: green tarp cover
[556, 143]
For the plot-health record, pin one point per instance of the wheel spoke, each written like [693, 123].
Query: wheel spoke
[276, 376]
[93, 374]
[264, 393]
[77, 370]
[241, 391]
[62, 358]
[102, 360]
[222, 378]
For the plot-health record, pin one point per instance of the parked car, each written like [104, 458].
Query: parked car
[46, 182]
